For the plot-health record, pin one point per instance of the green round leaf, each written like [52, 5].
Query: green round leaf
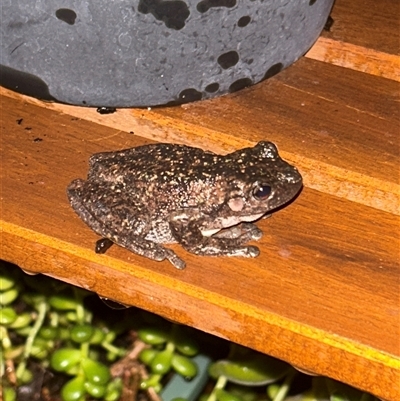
[82, 333]
[41, 342]
[63, 333]
[112, 395]
[95, 390]
[26, 377]
[147, 355]
[13, 352]
[73, 370]
[64, 358]
[8, 297]
[184, 366]
[98, 336]
[21, 321]
[7, 316]
[63, 302]
[145, 384]
[113, 390]
[188, 349]
[48, 332]
[38, 351]
[9, 394]
[71, 316]
[110, 337]
[95, 372]
[256, 370]
[74, 390]
[161, 363]
[184, 343]
[115, 384]
[153, 335]
[23, 331]
[6, 280]
[152, 381]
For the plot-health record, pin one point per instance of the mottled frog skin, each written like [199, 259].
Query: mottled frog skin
[144, 197]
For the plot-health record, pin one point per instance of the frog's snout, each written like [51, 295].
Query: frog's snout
[294, 176]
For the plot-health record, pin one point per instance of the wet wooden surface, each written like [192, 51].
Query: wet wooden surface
[324, 293]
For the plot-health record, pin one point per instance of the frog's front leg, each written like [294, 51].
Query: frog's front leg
[188, 234]
[243, 231]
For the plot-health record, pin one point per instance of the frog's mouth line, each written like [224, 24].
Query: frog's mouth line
[209, 233]
[230, 222]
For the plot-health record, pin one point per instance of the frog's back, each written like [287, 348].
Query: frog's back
[146, 162]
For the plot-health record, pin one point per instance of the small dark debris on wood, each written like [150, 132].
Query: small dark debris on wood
[106, 110]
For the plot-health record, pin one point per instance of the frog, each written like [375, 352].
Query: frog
[149, 196]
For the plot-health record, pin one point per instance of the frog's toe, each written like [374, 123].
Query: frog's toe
[175, 259]
[256, 234]
[163, 253]
[159, 255]
[253, 251]
[250, 232]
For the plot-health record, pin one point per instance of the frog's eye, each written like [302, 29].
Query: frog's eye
[262, 192]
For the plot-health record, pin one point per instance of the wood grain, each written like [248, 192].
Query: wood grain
[328, 289]
[364, 37]
[367, 23]
[356, 57]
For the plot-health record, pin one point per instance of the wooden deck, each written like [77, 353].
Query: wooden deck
[324, 293]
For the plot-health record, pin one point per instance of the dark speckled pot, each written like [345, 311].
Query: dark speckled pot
[151, 52]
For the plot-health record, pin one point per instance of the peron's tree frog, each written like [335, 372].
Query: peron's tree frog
[144, 197]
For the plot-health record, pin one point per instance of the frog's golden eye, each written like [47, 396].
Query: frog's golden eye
[262, 191]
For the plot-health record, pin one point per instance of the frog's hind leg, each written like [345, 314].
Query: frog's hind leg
[135, 242]
[102, 210]
[83, 199]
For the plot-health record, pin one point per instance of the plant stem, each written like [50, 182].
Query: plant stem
[282, 393]
[42, 309]
[113, 349]
[219, 385]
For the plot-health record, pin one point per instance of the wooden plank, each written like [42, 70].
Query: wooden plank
[364, 37]
[325, 119]
[356, 58]
[367, 23]
[328, 289]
